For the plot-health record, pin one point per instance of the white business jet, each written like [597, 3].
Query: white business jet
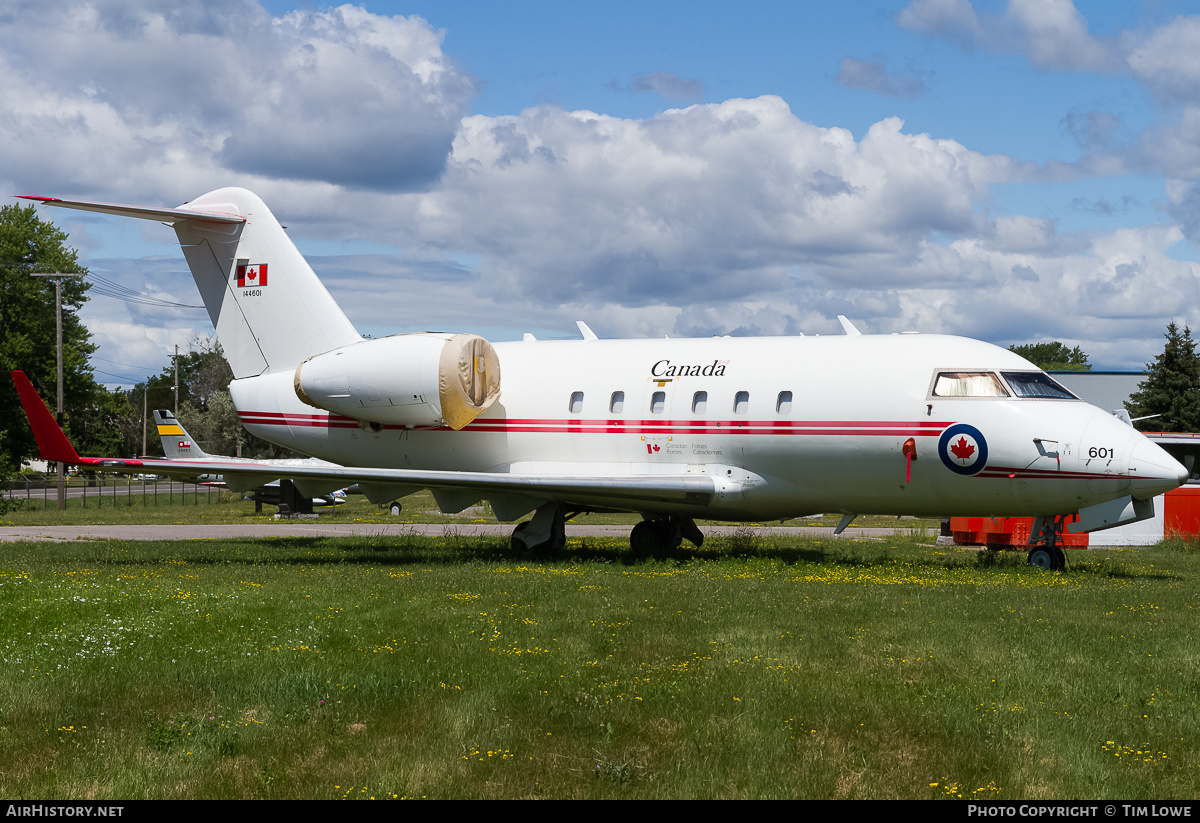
[736, 429]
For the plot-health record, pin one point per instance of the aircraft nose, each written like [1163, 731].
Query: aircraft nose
[1152, 470]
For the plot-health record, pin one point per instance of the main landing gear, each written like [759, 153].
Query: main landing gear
[545, 534]
[663, 535]
[1045, 543]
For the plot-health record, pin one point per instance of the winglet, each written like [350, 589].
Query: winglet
[52, 442]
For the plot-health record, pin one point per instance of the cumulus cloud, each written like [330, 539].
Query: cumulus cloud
[1168, 61]
[338, 96]
[709, 202]
[1184, 207]
[735, 217]
[872, 75]
[1052, 34]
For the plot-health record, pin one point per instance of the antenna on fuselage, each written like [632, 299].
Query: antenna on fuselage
[847, 325]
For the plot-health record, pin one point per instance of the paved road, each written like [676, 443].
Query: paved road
[310, 528]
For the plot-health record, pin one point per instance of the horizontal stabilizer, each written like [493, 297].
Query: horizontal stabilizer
[212, 214]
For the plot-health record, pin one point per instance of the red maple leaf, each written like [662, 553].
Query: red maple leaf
[962, 449]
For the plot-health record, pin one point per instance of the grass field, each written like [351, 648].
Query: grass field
[359, 668]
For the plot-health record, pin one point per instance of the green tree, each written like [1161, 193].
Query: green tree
[205, 407]
[27, 339]
[1171, 389]
[1054, 356]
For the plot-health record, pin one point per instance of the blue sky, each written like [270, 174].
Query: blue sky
[1014, 171]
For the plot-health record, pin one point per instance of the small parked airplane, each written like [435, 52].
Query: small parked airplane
[736, 429]
[178, 445]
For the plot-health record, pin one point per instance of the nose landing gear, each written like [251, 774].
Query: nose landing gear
[1045, 543]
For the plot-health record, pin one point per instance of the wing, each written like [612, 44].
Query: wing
[511, 495]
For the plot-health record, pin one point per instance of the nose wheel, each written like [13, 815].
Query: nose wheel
[1045, 543]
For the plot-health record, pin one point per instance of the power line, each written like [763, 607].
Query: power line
[109, 288]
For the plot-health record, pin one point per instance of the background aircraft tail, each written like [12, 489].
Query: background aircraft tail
[52, 442]
[176, 442]
[268, 307]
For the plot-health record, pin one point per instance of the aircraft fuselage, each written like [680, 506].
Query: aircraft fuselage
[791, 426]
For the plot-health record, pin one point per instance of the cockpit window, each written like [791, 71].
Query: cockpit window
[1036, 384]
[968, 384]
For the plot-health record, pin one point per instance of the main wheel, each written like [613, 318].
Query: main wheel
[517, 541]
[395, 508]
[649, 538]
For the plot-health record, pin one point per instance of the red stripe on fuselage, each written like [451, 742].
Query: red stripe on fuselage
[876, 428]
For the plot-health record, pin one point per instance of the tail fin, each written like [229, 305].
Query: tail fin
[268, 307]
[51, 441]
[176, 442]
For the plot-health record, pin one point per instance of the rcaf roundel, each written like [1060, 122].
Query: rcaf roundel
[963, 449]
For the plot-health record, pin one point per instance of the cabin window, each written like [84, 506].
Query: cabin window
[968, 384]
[616, 403]
[741, 402]
[783, 403]
[576, 402]
[1036, 384]
[699, 402]
[657, 401]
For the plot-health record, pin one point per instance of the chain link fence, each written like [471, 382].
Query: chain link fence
[100, 489]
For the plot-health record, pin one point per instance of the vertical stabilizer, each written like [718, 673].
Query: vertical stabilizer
[268, 307]
[176, 442]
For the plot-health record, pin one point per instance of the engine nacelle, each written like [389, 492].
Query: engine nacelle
[423, 379]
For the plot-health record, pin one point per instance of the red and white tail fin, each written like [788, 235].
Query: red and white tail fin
[268, 307]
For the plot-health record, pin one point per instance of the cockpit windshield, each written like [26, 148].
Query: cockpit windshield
[1036, 384]
[968, 384]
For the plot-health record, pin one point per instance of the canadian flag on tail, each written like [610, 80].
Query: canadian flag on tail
[250, 276]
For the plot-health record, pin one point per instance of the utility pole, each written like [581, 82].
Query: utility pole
[176, 381]
[58, 276]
